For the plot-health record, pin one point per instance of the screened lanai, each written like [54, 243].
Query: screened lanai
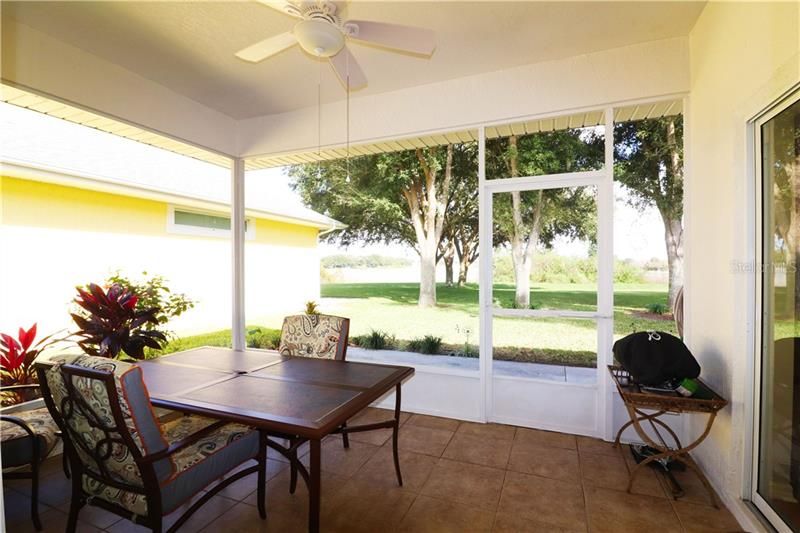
[166, 75]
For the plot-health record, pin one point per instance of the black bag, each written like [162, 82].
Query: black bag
[654, 357]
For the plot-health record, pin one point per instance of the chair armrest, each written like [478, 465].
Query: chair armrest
[19, 422]
[27, 386]
[183, 443]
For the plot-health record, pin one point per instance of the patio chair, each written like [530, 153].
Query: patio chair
[318, 336]
[26, 439]
[322, 337]
[126, 462]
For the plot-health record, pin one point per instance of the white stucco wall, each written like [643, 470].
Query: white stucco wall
[646, 70]
[83, 79]
[742, 57]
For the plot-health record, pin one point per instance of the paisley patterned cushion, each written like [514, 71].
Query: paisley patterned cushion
[16, 444]
[208, 445]
[88, 417]
[321, 336]
[197, 465]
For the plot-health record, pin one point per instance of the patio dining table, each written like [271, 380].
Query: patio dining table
[305, 397]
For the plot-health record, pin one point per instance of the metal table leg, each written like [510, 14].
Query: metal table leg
[681, 453]
[314, 486]
[395, 436]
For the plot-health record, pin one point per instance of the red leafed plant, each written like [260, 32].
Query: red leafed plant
[16, 361]
[110, 324]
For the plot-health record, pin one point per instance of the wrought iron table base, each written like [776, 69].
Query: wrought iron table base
[680, 453]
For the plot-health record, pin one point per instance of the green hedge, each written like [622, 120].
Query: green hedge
[551, 268]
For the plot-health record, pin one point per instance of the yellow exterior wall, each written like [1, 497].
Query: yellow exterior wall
[284, 234]
[70, 236]
[743, 56]
[37, 204]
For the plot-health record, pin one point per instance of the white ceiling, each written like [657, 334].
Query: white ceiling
[189, 46]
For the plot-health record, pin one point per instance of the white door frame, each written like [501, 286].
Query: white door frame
[761, 337]
[603, 180]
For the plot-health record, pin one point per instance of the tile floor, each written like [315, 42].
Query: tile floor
[459, 476]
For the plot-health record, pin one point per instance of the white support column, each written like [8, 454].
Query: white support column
[485, 266]
[605, 283]
[237, 248]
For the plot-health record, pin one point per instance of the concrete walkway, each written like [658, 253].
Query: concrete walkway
[564, 374]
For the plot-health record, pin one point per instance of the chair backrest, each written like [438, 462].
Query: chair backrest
[319, 336]
[103, 410]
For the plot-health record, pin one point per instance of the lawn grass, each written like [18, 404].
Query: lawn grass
[392, 308]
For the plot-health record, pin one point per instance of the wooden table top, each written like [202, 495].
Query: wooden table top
[296, 395]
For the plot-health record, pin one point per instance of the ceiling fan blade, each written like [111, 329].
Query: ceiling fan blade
[406, 38]
[345, 65]
[268, 47]
[287, 8]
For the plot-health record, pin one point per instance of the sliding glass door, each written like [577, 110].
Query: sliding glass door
[776, 483]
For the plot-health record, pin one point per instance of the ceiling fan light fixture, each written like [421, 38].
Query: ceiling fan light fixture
[319, 38]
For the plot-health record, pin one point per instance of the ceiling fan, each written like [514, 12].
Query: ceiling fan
[323, 34]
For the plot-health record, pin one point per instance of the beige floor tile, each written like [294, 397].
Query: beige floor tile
[96, 516]
[242, 488]
[612, 472]
[545, 461]
[342, 461]
[701, 518]
[475, 485]
[243, 518]
[209, 512]
[277, 456]
[371, 415]
[379, 470]
[358, 507]
[597, 446]
[53, 521]
[546, 438]
[488, 431]
[539, 499]
[693, 489]
[280, 501]
[504, 523]
[478, 450]
[17, 506]
[440, 516]
[54, 489]
[434, 422]
[424, 440]
[615, 511]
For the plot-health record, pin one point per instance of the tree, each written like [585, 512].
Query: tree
[394, 197]
[460, 236]
[782, 169]
[649, 155]
[532, 219]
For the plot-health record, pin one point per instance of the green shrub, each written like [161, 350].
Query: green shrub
[375, 340]
[312, 308]
[154, 292]
[427, 345]
[364, 261]
[265, 338]
[549, 267]
[657, 308]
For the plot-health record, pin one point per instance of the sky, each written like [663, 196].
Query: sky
[28, 136]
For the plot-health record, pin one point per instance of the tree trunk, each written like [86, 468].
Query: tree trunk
[522, 280]
[673, 237]
[463, 269]
[673, 225]
[449, 271]
[427, 278]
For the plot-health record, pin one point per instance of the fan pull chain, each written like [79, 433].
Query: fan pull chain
[347, 88]
[319, 118]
